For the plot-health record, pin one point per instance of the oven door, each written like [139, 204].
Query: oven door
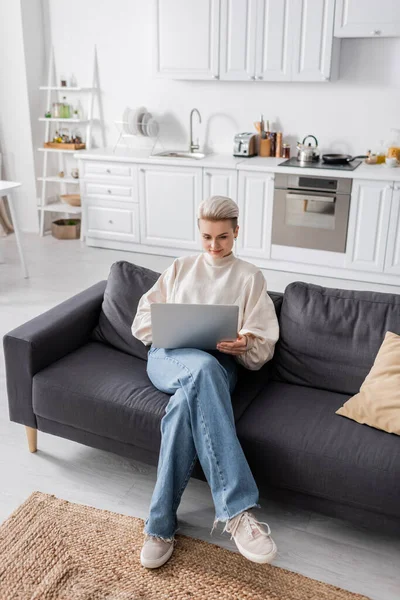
[310, 219]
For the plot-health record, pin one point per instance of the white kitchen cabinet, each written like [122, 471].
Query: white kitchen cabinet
[238, 39]
[392, 258]
[220, 182]
[187, 39]
[260, 40]
[255, 200]
[169, 198]
[274, 43]
[368, 225]
[367, 18]
[312, 40]
[118, 221]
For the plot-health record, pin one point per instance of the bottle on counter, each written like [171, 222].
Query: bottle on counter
[285, 150]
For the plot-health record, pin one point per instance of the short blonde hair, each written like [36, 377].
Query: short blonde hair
[219, 208]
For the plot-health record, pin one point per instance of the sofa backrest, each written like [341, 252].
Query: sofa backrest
[329, 338]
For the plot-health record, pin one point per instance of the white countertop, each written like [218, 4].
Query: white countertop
[227, 161]
[143, 156]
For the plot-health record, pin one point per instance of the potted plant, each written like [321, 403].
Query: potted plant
[66, 229]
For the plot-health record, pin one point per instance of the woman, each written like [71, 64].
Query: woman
[198, 420]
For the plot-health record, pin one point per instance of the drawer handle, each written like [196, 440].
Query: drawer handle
[108, 170]
[109, 191]
[110, 221]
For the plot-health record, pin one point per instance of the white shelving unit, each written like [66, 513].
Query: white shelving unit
[54, 93]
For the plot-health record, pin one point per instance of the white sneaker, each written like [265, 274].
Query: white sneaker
[155, 552]
[252, 540]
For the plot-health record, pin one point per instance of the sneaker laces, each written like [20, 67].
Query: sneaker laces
[251, 525]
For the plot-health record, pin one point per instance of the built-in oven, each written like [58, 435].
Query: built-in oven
[311, 212]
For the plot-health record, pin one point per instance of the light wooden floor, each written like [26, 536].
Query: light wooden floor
[323, 548]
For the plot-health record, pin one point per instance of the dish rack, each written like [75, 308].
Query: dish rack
[138, 126]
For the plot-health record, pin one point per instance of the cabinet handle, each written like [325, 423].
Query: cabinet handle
[108, 170]
[259, 77]
[215, 76]
[376, 32]
[110, 221]
[109, 191]
[252, 76]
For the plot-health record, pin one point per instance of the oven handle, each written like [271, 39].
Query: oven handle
[302, 196]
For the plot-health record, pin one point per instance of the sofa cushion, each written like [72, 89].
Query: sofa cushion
[293, 439]
[329, 338]
[106, 392]
[378, 402]
[126, 284]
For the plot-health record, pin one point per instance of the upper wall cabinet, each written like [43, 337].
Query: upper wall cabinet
[367, 18]
[187, 39]
[260, 40]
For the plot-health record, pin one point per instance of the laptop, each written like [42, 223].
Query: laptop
[199, 326]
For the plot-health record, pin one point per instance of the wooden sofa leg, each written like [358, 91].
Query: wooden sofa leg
[31, 434]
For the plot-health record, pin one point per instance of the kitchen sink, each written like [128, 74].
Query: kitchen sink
[178, 154]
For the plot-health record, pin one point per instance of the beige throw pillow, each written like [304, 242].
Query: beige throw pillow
[378, 402]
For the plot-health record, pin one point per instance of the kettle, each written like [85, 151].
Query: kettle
[307, 153]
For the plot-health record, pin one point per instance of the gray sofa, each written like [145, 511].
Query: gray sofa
[77, 372]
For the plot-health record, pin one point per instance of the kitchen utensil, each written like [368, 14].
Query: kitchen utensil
[144, 122]
[278, 148]
[307, 152]
[134, 118]
[125, 119]
[265, 147]
[340, 159]
[152, 127]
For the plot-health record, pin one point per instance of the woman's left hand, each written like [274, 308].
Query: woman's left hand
[239, 346]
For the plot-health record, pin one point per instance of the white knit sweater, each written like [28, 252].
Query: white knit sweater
[204, 279]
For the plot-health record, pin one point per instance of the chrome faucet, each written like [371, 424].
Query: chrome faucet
[193, 147]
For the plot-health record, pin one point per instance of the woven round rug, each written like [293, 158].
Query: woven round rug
[54, 549]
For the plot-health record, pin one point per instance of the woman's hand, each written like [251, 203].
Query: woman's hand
[239, 346]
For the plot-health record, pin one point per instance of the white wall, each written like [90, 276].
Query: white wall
[15, 122]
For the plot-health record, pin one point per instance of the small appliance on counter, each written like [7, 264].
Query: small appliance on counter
[307, 153]
[244, 144]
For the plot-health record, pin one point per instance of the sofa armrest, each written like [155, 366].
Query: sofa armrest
[43, 340]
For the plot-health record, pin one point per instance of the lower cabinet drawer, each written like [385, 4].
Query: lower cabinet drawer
[107, 169]
[113, 223]
[120, 192]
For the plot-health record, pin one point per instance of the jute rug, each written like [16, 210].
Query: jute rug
[54, 549]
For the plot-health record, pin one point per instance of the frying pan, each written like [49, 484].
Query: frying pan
[340, 159]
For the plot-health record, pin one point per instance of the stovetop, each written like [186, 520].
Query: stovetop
[318, 164]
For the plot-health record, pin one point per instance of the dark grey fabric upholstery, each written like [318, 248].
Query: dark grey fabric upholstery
[293, 439]
[126, 284]
[107, 392]
[329, 337]
[42, 341]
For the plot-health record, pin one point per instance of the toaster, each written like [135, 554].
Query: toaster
[244, 144]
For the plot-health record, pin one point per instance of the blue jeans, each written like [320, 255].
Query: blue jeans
[198, 423]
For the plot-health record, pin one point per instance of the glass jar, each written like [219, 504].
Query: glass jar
[285, 150]
[57, 110]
